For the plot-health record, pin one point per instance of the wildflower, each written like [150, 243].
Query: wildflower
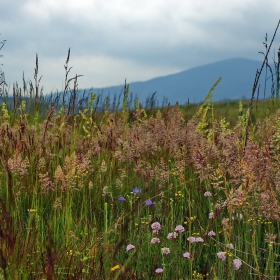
[159, 270]
[155, 231]
[221, 255]
[191, 239]
[121, 198]
[211, 215]
[187, 255]
[155, 240]
[230, 246]
[165, 250]
[136, 190]
[115, 267]
[129, 247]
[156, 226]
[199, 240]
[207, 194]
[211, 233]
[237, 263]
[179, 228]
[149, 202]
[172, 235]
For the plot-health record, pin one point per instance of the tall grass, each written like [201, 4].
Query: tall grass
[136, 194]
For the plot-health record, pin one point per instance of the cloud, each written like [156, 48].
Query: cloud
[124, 38]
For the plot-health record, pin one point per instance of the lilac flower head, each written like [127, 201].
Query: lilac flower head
[187, 255]
[222, 255]
[191, 239]
[149, 202]
[237, 263]
[156, 226]
[121, 198]
[211, 233]
[172, 235]
[199, 240]
[165, 250]
[159, 270]
[155, 240]
[129, 247]
[136, 190]
[179, 228]
[230, 246]
[207, 194]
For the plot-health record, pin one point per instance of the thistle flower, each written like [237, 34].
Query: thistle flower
[237, 263]
[129, 247]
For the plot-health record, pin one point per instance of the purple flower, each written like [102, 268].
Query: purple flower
[222, 255]
[136, 190]
[187, 255]
[155, 240]
[156, 226]
[129, 247]
[237, 263]
[159, 270]
[180, 228]
[165, 250]
[149, 202]
[211, 233]
[121, 198]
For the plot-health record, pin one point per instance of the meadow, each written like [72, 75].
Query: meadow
[133, 192]
[169, 193]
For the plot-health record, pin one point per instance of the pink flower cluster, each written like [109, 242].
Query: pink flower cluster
[222, 255]
[130, 247]
[155, 227]
[237, 263]
[192, 239]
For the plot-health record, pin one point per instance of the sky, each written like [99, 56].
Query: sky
[112, 40]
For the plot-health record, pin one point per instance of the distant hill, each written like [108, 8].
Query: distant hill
[237, 74]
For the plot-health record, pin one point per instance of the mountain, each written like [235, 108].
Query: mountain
[237, 74]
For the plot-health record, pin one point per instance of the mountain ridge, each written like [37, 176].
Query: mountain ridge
[237, 74]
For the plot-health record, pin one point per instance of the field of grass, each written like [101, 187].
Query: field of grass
[175, 193]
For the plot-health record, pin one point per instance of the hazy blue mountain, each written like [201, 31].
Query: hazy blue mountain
[237, 74]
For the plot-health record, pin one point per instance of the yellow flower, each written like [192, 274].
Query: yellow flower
[115, 267]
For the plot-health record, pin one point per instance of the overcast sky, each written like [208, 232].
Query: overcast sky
[114, 40]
